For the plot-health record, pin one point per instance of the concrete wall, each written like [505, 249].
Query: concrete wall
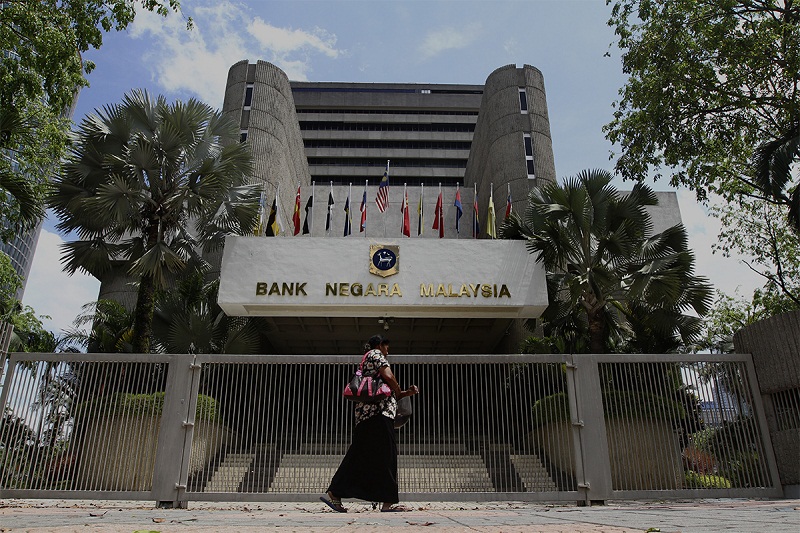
[775, 345]
[498, 151]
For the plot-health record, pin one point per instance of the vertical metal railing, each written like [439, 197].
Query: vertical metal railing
[535, 427]
[74, 426]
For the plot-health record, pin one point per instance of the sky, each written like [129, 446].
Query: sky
[411, 41]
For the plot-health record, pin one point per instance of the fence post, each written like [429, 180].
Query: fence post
[178, 402]
[592, 451]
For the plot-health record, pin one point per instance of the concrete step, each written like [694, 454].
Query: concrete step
[230, 473]
[533, 474]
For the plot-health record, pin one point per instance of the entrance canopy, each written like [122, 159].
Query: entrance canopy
[328, 295]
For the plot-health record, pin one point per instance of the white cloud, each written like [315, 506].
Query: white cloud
[197, 61]
[725, 273]
[52, 292]
[448, 38]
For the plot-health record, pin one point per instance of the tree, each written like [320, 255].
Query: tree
[111, 328]
[41, 71]
[150, 186]
[188, 319]
[606, 269]
[709, 81]
[758, 230]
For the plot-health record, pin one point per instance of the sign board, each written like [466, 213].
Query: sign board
[306, 276]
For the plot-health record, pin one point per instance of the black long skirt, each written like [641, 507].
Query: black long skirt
[369, 469]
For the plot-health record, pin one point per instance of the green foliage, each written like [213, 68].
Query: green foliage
[187, 319]
[627, 405]
[736, 447]
[10, 283]
[112, 328]
[758, 230]
[611, 281]
[693, 480]
[128, 404]
[40, 73]
[150, 186]
[29, 334]
[708, 81]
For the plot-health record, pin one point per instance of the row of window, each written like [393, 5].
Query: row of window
[389, 111]
[382, 90]
[402, 145]
[407, 180]
[396, 163]
[379, 126]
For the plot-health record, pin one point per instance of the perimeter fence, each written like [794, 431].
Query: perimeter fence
[178, 428]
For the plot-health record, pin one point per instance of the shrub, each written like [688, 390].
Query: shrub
[616, 404]
[129, 404]
[693, 480]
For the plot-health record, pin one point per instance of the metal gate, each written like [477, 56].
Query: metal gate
[175, 428]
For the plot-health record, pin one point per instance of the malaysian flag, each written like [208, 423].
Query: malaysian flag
[382, 200]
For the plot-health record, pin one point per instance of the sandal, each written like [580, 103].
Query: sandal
[333, 503]
[396, 509]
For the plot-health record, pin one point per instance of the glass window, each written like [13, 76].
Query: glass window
[523, 100]
[526, 137]
[242, 136]
[248, 96]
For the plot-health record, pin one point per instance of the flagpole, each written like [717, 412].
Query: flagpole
[491, 202]
[365, 208]
[311, 226]
[458, 222]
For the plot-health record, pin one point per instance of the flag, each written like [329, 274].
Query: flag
[438, 220]
[406, 222]
[348, 218]
[420, 222]
[363, 209]
[459, 208]
[296, 214]
[476, 225]
[307, 225]
[382, 200]
[508, 203]
[491, 224]
[330, 206]
[274, 226]
[261, 225]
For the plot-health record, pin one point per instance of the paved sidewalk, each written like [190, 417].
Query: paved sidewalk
[703, 516]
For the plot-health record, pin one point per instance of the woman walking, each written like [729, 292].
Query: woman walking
[369, 469]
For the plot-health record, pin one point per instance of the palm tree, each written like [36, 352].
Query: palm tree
[188, 319]
[147, 185]
[773, 162]
[606, 268]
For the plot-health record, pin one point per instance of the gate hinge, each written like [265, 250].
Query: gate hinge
[179, 486]
[571, 365]
[578, 423]
[188, 424]
[195, 366]
[584, 485]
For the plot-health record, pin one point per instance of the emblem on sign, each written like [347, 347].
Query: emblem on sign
[384, 260]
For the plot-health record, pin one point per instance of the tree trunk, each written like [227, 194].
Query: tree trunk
[143, 315]
[597, 336]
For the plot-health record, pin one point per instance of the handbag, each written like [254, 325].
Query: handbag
[366, 389]
[404, 412]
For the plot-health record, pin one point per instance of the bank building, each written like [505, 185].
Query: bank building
[387, 196]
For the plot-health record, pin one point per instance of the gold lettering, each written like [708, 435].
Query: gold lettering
[274, 289]
[330, 288]
[486, 290]
[287, 288]
[475, 288]
[300, 288]
[464, 290]
[440, 291]
[356, 289]
[370, 290]
[383, 288]
[396, 290]
[426, 290]
[261, 289]
[504, 291]
[344, 289]
[450, 292]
